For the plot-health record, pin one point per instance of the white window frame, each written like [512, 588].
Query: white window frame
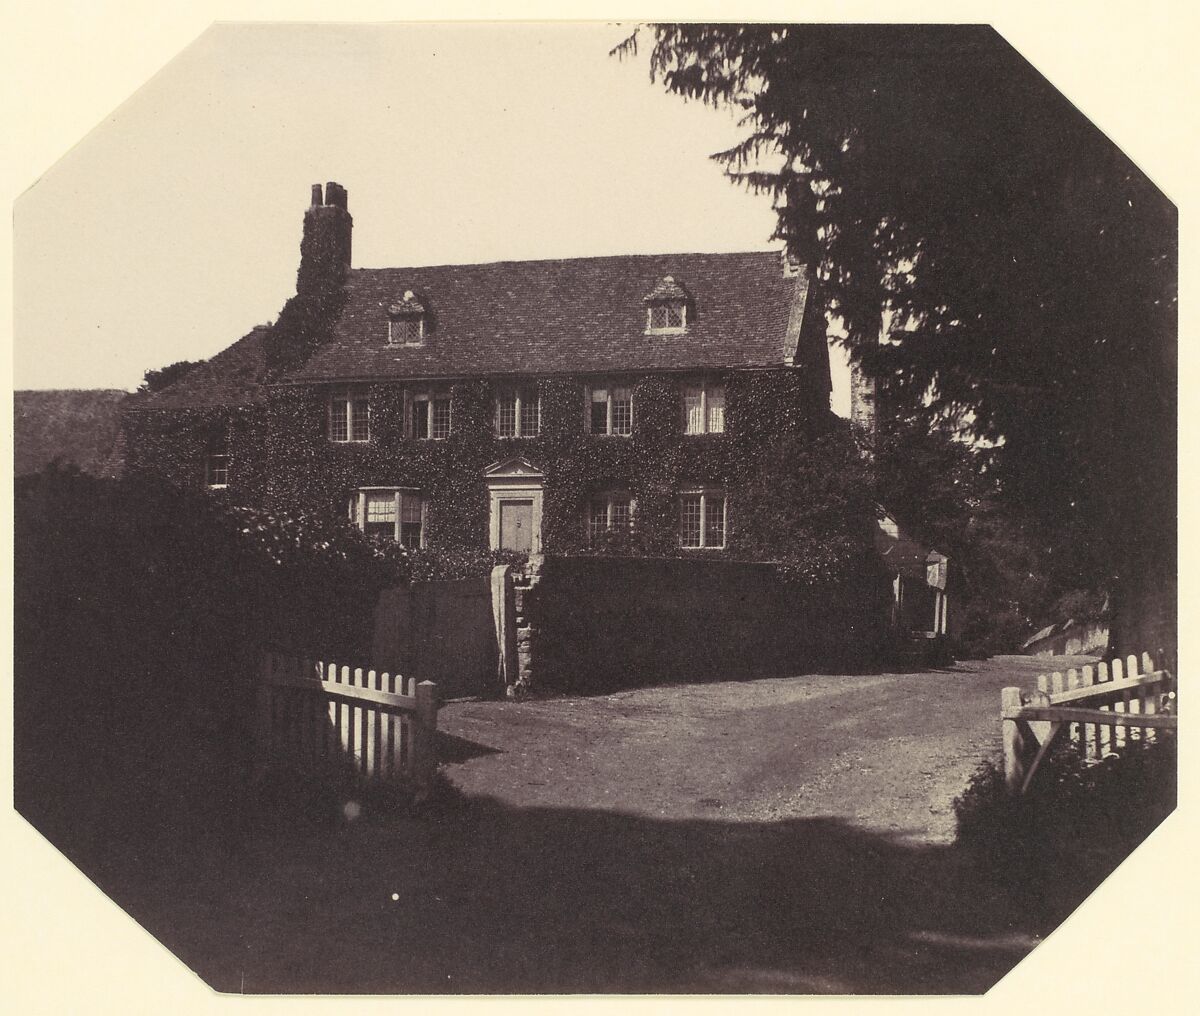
[211, 468]
[517, 393]
[358, 508]
[406, 320]
[704, 493]
[608, 497]
[429, 397]
[705, 389]
[350, 396]
[666, 305]
[607, 388]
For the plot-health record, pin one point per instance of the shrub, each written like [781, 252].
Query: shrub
[141, 613]
[1051, 847]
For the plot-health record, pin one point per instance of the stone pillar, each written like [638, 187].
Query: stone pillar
[504, 616]
[524, 584]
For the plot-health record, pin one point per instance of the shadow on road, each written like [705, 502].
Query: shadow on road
[475, 896]
[455, 749]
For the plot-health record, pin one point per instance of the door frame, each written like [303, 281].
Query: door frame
[515, 479]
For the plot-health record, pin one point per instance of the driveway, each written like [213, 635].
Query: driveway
[768, 836]
[885, 752]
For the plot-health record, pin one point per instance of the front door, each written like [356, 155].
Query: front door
[516, 525]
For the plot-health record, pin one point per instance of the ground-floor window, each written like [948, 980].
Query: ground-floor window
[702, 516]
[609, 512]
[394, 513]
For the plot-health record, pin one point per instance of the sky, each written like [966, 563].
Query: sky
[173, 227]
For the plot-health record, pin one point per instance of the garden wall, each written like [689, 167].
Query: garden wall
[602, 623]
[439, 631]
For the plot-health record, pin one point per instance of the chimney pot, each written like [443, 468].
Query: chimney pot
[335, 195]
[316, 195]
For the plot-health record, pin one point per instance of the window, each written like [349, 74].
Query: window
[669, 316]
[406, 331]
[395, 514]
[429, 416]
[611, 411]
[704, 409]
[216, 471]
[407, 321]
[517, 413]
[609, 512]
[702, 519]
[349, 417]
[669, 307]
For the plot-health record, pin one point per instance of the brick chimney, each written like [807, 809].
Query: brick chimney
[325, 247]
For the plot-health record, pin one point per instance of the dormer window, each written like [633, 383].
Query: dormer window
[667, 317]
[669, 307]
[406, 331]
[407, 320]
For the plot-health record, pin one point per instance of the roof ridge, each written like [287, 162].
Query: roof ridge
[562, 260]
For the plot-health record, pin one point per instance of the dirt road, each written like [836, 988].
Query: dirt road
[886, 752]
[767, 836]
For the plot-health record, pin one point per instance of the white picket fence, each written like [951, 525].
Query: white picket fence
[370, 724]
[1100, 708]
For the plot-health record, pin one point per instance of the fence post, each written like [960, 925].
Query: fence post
[425, 738]
[1014, 740]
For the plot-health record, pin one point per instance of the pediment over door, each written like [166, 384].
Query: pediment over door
[516, 467]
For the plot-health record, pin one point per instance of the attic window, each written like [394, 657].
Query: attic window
[407, 321]
[668, 307]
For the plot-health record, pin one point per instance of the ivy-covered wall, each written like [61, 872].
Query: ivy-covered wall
[283, 460]
[175, 444]
[309, 473]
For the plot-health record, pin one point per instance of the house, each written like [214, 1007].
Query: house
[542, 407]
[920, 606]
[1086, 637]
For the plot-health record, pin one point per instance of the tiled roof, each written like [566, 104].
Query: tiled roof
[565, 316]
[231, 378]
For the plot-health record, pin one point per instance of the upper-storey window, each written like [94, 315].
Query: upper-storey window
[517, 412]
[669, 307]
[216, 470]
[349, 416]
[704, 409]
[407, 321]
[430, 415]
[610, 411]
